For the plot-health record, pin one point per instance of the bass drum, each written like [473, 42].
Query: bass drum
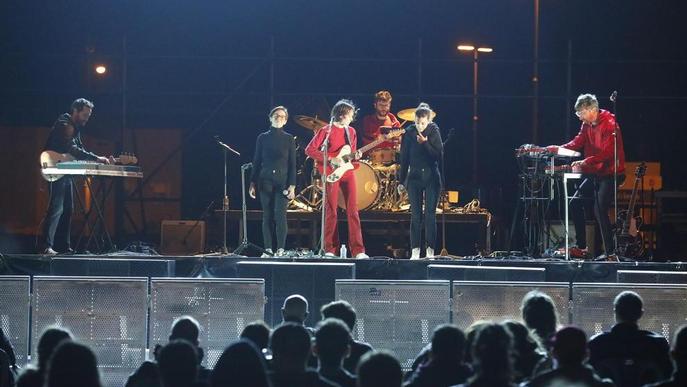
[367, 187]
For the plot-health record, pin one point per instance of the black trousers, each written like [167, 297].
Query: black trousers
[273, 203]
[595, 191]
[425, 181]
[59, 214]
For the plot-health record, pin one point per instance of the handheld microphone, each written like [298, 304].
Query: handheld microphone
[614, 95]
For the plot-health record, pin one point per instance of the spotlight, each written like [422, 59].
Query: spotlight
[100, 69]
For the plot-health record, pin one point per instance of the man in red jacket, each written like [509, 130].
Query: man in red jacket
[381, 118]
[595, 139]
[340, 134]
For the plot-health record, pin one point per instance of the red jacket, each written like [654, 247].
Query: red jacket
[336, 141]
[371, 129]
[596, 141]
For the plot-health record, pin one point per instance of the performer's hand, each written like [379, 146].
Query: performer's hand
[552, 148]
[292, 192]
[103, 160]
[577, 164]
[251, 190]
[112, 160]
[358, 155]
[420, 138]
[401, 189]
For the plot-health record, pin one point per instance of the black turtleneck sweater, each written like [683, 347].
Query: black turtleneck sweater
[275, 158]
[418, 156]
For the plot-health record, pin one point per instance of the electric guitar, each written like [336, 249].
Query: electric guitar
[628, 238]
[337, 169]
[52, 159]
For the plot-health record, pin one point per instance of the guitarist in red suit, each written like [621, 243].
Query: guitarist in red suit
[341, 134]
[595, 139]
[65, 137]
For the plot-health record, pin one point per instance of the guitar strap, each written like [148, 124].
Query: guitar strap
[347, 135]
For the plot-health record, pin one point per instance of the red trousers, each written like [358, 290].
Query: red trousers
[331, 232]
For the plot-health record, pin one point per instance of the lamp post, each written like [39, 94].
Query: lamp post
[475, 83]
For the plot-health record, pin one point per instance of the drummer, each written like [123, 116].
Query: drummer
[382, 117]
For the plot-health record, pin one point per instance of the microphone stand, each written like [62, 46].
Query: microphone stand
[613, 98]
[444, 251]
[225, 200]
[244, 216]
[325, 157]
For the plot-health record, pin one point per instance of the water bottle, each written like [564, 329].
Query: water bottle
[342, 252]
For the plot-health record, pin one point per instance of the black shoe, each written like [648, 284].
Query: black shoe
[69, 251]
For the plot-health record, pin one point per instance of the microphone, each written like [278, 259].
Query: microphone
[614, 95]
[247, 165]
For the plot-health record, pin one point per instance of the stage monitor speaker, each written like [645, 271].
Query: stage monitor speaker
[109, 314]
[14, 313]
[112, 267]
[314, 281]
[476, 300]
[486, 273]
[182, 237]
[650, 276]
[665, 306]
[223, 307]
[397, 315]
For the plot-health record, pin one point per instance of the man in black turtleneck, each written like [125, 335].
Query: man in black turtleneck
[274, 178]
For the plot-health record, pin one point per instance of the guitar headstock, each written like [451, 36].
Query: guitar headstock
[127, 159]
[641, 170]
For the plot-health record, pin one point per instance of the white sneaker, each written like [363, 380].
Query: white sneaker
[281, 253]
[330, 255]
[267, 254]
[415, 253]
[430, 252]
[361, 256]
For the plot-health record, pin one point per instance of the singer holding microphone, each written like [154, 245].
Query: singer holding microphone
[274, 179]
[596, 140]
[421, 152]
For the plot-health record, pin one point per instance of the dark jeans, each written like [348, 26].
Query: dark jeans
[59, 215]
[427, 181]
[273, 203]
[598, 192]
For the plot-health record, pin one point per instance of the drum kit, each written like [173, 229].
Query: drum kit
[376, 175]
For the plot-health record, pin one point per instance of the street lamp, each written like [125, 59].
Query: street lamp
[475, 117]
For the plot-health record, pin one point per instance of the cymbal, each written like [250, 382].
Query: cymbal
[312, 123]
[409, 114]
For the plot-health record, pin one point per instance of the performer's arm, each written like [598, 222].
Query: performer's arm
[433, 145]
[291, 179]
[66, 136]
[578, 142]
[257, 161]
[405, 158]
[606, 153]
[313, 149]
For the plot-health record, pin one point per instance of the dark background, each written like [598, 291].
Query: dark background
[216, 67]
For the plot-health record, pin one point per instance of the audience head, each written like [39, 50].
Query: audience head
[539, 314]
[492, 353]
[185, 328]
[295, 309]
[72, 364]
[332, 342]
[570, 346]
[342, 310]
[47, 344]
[290, 345]
[241, 365]
[448, 344]
[178, 365]
[523, 339]
[470, 335]
[379, 369]
[258, 332]
[679, 351]
[628, 307]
